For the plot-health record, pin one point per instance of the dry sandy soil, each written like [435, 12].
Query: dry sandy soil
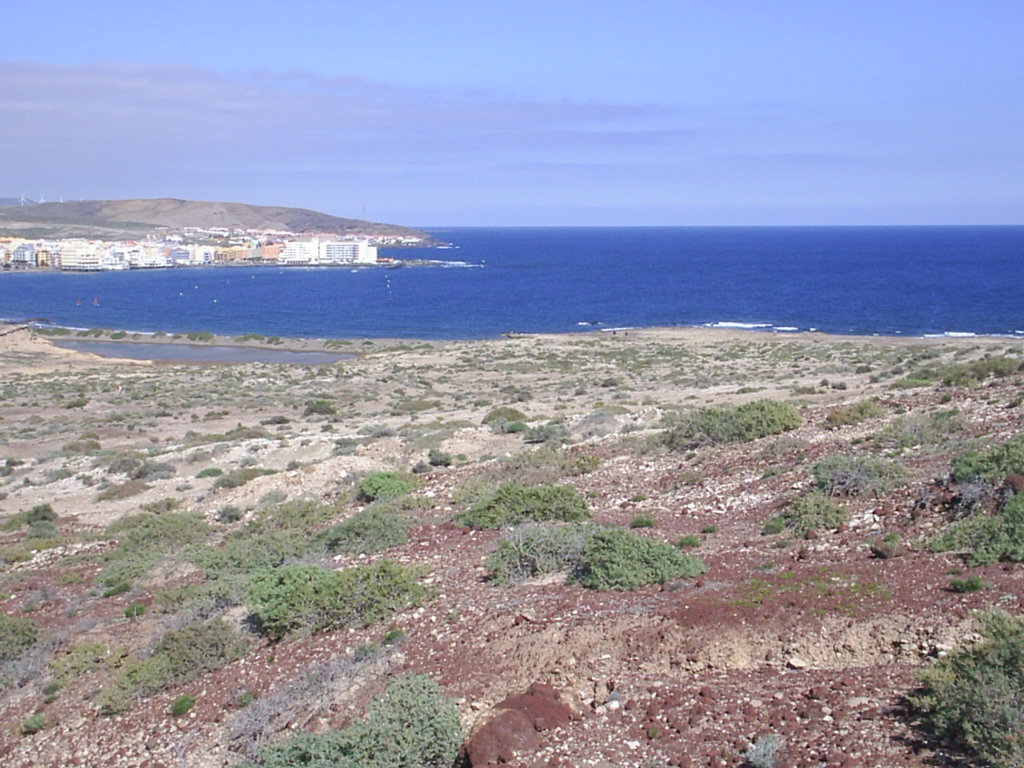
[814, 638]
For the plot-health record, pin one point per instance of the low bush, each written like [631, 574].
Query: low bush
[812, 511]
[968, 374]
[972, 583]
[319, 408]
[531, 549]
[182, 705]
[40, 513]
[992, 464]
[847, 474]
[307, 597]
[856, 413]
[239, 477]
[511, 504]
[502, 415]
[145, 539]
[924, 429]
[614, 558]
[412, 725]
[731, 424]
[438, 458]
[33, 724]
[988, 538]
[383, 485]
[17, 635]
[79, 660]
[123, 490]
[974, 697]
[180, 656]
[368, 531]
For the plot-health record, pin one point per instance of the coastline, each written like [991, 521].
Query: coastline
[78, 340]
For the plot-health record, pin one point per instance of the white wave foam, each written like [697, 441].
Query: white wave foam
[742, 326]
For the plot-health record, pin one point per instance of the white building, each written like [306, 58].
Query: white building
[89, 256]
[321, 252]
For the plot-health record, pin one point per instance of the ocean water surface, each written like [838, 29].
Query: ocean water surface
[909, 281]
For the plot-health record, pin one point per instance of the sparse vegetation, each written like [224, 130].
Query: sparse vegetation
[987, 538]
[512, 504]
[992, 464]
[411, 725]
[368, 531]
[848, 474]
[848, 415]
[810, 512]
[378, 486]
[974, 698]
[731, 424]
[306, 597]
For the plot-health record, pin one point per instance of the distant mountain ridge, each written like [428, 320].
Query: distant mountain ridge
[115, 219]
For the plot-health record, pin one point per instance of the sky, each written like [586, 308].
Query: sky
[525, 113]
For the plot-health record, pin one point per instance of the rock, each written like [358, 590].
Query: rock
[795, 662]
[501, 737]
[886, 549]
[515, 728]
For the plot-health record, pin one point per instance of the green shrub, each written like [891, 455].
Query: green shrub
[366, 532]
[849, 415]
[972, 583]
[552, 432]
[531, 549]
[412, 725]
[123, 490]
[974, 697]
[988, 538]
[194, 650]
[731, 424]
[688, 542]
[926, 429]
[296, 597]
[79, 660]
[182, 705]
[847, 474]
[968, 374]
[773, 526]
[438, 458]
[383, 485]
[511, 504]
[143, 540]
[642, 521]
[319, 408]
[16, 636]
[160, 506]
[992, 464]
[180, 656]
[39, 514]
[614, 558]
[813, 511]
[239, 477]
[33, 724]
[245, 552]
[502, 415]
[210, 472]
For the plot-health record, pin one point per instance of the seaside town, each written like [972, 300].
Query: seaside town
[198, 247]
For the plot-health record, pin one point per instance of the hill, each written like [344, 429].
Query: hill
[117, 219]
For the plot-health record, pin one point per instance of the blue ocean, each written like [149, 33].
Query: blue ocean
[907, 281]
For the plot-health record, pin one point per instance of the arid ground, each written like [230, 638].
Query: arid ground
[810, 634]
